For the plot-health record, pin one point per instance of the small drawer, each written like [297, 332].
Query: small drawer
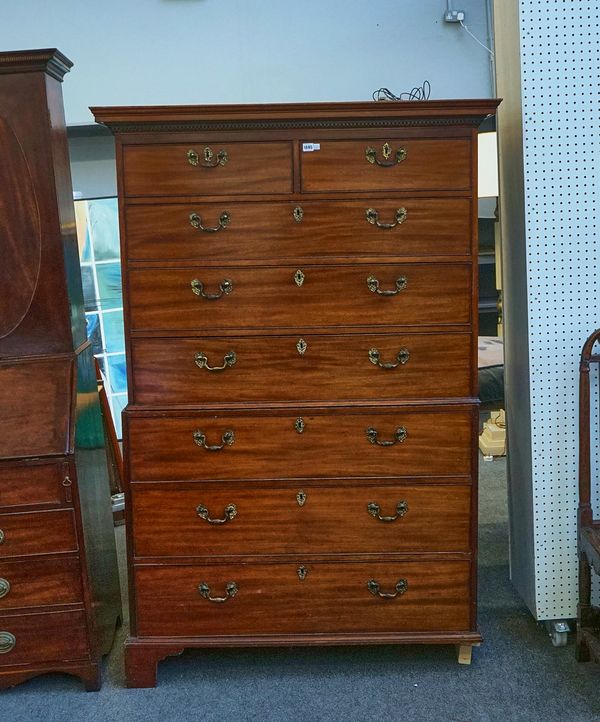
[35, 407]
[200, 299]
[301, 443]
[32, 533]
[35, 583]
[302, 597]
[303, 367]
[34, 638]
[212, 169]
[402, 226]
[207, 520]
[32, 483]
[380, 164]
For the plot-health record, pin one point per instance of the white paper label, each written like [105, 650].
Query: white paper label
[309, 147]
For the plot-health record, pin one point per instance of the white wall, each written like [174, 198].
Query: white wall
[132, 52]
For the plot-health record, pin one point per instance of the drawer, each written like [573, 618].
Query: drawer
[174, 520]
[318, 296]
[322, 229]
[42, 532]
[35, 406]
[169, 169]
[32, 483]
[273, 599]
[301, 444]
[344, 165]
[36, 583]
[300, 368]
[34, 638]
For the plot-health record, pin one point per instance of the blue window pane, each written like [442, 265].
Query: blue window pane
[118, 373]
[93, 332]
[89, 288]
[118, 403]
[109, 285]
[104, 226]
[114, 340]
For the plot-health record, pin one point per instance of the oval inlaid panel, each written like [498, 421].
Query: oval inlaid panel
[20, 232]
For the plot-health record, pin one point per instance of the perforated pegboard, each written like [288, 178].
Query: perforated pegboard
[560, 61]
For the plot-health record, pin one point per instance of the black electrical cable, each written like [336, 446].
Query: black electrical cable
[417, 93]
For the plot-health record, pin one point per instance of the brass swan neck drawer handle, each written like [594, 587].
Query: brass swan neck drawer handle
[2, 537]
[399, 436]
[375, 511]
[227, 440]
[230, 512]
[373, 218]
[386, 152]
[7, 642]
[225, 288]
[373, 285]
[209, 158]
[375, 588]
[228, 361]
[402, 357]
[4, 587]
[231, 589]
[196, 222]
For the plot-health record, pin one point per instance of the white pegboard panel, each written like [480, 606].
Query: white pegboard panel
[560, 61]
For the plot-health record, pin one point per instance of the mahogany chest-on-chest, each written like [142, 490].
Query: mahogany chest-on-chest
[300, 285]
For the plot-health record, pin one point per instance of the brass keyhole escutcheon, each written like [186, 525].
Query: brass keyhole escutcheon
[302, 573]
[299, 277]
[301, 498]
[301, 346]
[299, 425]
[298, 214]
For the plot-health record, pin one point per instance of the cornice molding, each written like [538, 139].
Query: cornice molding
[280, 116]
[167, 126]
[49, 60]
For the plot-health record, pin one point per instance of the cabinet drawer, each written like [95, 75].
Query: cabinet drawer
[33, 638]
[260, 231]
[164, 299]
[38, 583]
[272, 599]
[343, 165]
[303, 367]
[173, 521]
[259, 445]
[156, 170]
[42, 532]
[32, 483]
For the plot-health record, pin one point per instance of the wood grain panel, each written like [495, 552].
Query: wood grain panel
[31, 483]
[341, 165]
[20, 239]
[40, 583]
[162, 299]
[271, 599]
[35, 407]
[266, 230]
[270, 368]
[163, 170]
[333, 519]
[331, 445]
[58, 636]
[41, 532]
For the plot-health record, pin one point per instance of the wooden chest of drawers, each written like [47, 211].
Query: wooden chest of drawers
[301, 334]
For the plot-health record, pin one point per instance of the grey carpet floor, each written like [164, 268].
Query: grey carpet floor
[516, 675]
